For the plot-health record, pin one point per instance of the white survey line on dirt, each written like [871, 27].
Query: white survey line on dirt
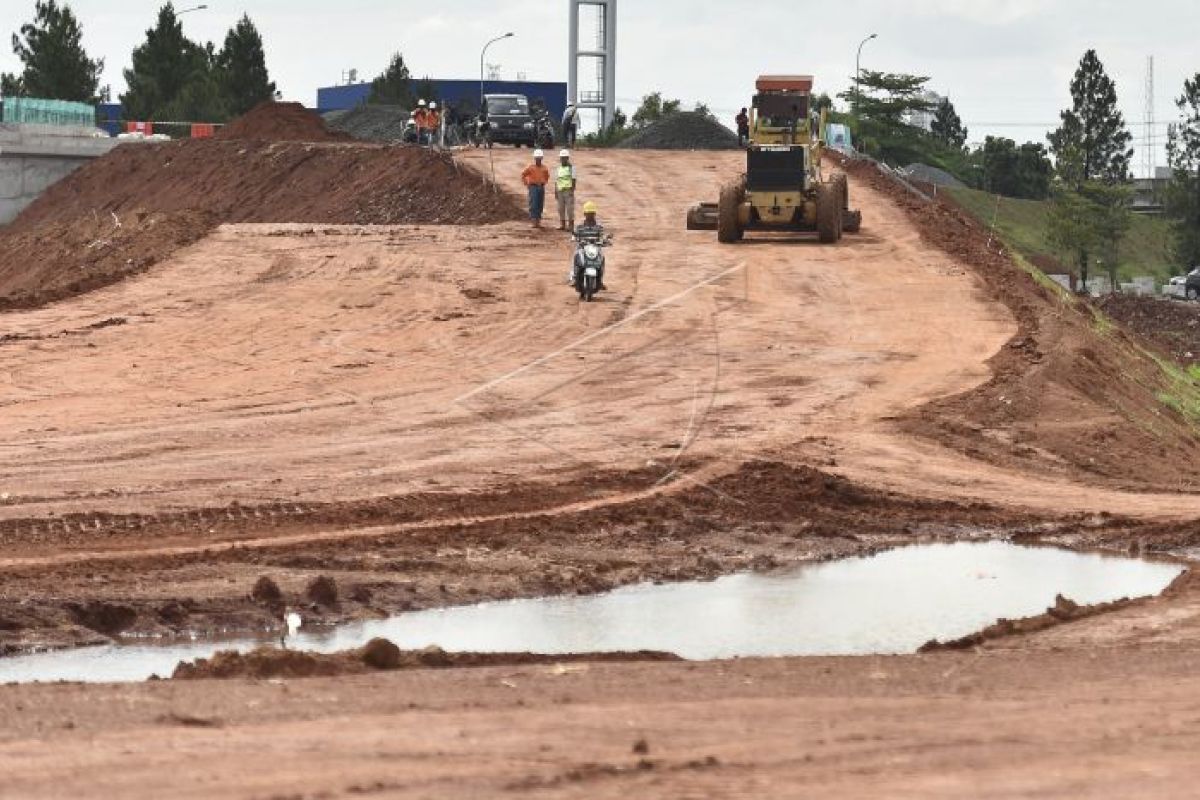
[492, 384]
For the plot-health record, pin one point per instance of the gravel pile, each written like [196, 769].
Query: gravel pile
[370, 123]
[934, 175]
[686, 130]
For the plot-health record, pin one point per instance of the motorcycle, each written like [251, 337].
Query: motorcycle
[589, 265]
[543, 131]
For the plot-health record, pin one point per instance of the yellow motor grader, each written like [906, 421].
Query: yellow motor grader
[784, 187]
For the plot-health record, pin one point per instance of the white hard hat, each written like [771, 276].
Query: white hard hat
[421, 104]
[564, 153]
[538, 153]
[433, 105]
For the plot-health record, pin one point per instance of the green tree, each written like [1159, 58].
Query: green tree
[1014, 171]
[947, 127]
[654, 108]
[11, 85]
[703, 110]
[56, 65]
[883, 103]
[822, 102]
[162, 66]
[1092, 142]
[241, 67]
[202, 97]
[1092, 155]
[1183, 195]
[394, 86]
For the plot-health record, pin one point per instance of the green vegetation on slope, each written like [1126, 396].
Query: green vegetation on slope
[1022, 225]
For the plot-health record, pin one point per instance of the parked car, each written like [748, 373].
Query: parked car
[509, 120]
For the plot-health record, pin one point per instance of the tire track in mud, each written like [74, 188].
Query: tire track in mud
[201, 519]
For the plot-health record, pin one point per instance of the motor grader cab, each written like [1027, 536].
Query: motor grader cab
[784, 187]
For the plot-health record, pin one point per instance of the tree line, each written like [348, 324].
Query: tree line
[1083, 169]
[170, 76]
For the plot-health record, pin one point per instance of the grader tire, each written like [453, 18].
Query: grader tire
[829, 213]
[729, 230]
[839, 179]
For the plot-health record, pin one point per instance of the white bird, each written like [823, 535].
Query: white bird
[291, 624]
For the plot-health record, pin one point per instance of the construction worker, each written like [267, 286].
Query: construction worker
[565, 183]
[420, 116]
[535, 177]
[743, 127]
[570, 124]
[434, 123]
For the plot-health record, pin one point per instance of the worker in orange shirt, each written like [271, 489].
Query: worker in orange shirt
[421, 117]
[433, 121]
[535, 178]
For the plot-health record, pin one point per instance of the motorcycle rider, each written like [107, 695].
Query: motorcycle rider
[590, 231]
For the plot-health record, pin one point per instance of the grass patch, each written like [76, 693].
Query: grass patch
[1021, 224]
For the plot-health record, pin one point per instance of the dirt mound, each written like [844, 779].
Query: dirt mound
[1070, 393]
[322, 591]
[371, 123]
[378, 654]
[1063, 611]
[683, 131]
[281, 122]
[1171, 326]
[123, 213]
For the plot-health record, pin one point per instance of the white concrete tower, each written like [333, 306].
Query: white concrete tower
[592, 81]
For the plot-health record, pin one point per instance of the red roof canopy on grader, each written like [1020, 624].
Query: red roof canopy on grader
[784, 187]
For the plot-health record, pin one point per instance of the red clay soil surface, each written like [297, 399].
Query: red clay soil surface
[126, 212]
[1069, 394]
[1172, 326]
[1112, 722]
[281, 122]
[423, 414]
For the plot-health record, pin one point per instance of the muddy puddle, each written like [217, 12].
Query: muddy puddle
[891, 603]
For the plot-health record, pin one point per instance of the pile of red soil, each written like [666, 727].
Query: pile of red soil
[281, 122]
[1172, 326]
[1070, 395]
[123, 213]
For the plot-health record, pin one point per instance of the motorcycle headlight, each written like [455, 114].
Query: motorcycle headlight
[591, 251]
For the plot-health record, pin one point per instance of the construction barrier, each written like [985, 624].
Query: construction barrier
[145, 128]
[34, 111]
[201, 130]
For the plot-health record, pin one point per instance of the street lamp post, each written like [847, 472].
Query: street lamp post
[482, 55]
[858, 71]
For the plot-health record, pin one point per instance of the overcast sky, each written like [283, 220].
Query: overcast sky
[1005, 63]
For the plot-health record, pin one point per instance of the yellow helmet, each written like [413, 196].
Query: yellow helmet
[590, 207]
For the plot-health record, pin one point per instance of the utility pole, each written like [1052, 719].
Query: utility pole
[858, 71]
[482, 55]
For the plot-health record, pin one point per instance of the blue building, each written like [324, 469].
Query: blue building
[462, 94]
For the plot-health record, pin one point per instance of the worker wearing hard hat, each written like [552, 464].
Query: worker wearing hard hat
[590, 231]
[535, 177]
[421, 117]
[565, 183]
[433, 121]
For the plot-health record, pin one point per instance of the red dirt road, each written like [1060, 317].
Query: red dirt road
[427, 414]
[269, 363]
